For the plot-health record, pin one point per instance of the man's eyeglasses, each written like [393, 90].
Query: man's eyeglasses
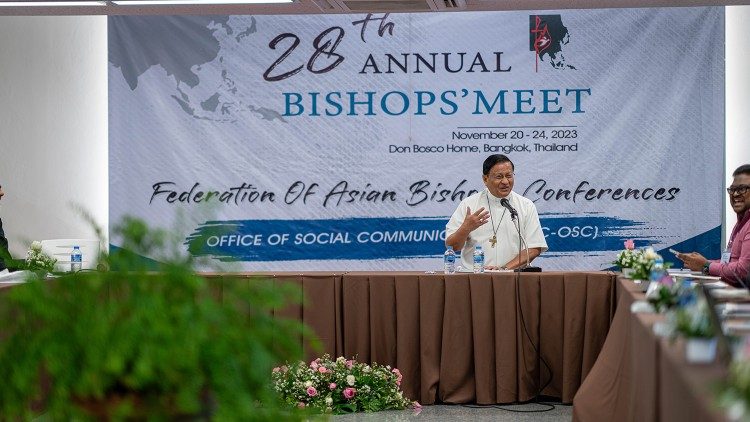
[500, 177]
[738, 190]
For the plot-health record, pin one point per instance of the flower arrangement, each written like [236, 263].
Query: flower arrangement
[626, 257]
[38, 261]
[643, 263]
[340, 386]
[734, 393]
[693, 321]
[664, 294]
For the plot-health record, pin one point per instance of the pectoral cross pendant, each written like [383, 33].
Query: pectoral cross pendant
[493, 240]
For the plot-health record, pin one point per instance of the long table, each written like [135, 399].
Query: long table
[459, 338]
[463, 338]
[642, 377]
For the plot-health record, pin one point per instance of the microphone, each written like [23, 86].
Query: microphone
[513, 213]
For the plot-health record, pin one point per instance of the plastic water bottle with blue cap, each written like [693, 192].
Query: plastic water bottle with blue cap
[76, 259]
[657, 270]
[449, 261]
[478, 259]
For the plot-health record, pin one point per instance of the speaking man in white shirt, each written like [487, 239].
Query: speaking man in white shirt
[489, 219]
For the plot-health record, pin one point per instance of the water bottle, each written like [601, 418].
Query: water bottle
[478, 259]
[686, 295]
[449, 261]
[76, 259]
[657, 270]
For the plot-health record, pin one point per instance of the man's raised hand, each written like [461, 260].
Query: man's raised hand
[476, 219]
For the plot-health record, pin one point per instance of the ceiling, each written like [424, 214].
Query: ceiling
[356, 6]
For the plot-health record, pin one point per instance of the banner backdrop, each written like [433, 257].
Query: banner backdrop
[344, 142]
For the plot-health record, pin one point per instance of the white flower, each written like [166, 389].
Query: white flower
[350, 380]
[308, 384]
[329, 400]
[341, 360]
[650, 254]
[36, 245]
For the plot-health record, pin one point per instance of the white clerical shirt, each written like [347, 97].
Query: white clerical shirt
[506, 246]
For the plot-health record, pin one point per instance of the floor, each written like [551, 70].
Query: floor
[459, 413]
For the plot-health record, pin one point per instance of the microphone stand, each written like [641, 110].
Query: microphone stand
[522, 241]
[515, 218]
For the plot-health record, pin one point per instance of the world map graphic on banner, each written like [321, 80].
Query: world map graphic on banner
[345, 142]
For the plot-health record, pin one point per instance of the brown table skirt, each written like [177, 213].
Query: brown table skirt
[463, 338]
[641, 377]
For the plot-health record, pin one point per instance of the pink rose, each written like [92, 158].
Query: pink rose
[332, 386]
[398, 374]
[276, 369]
[349, 364]
[349, 392]
[312, 392]
[301, 405]
[322, 369]
[314, 365]
[417, 408]
[629, 244]
[284, 368]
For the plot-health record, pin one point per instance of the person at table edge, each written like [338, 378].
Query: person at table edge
[480, 219]
[735, 262]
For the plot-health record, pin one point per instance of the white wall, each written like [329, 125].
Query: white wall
[53, 121]
[737, 100]
[53, 126]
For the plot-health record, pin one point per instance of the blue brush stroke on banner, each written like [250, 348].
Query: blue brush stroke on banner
[387, 238]
[707, 244]
[352, 238]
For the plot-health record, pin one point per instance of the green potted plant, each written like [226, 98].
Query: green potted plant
[139, 340]
[694, 323]
[733, 393]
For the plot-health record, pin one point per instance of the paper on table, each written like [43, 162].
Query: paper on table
[736, 325]
[696, 276]
[673, 271]
[716, 285]
[16, 277]
[730, 293]
[728, 308]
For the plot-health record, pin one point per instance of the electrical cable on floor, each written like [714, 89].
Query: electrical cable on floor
[526, 331]
[549, 407]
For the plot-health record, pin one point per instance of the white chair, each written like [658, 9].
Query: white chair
[60, 249]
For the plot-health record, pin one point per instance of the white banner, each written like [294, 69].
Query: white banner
[344, 142]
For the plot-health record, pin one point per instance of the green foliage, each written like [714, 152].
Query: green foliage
[733, 393]
[144, 344]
